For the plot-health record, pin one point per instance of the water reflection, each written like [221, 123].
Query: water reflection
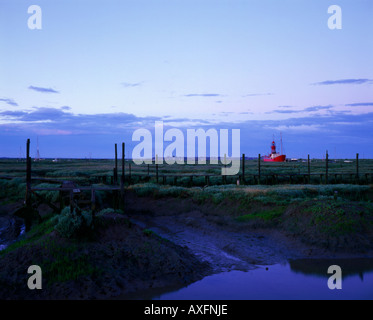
[318, 267]
[299, 279]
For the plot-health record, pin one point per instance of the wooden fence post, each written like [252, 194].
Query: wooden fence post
[326, 167]
[72, 205]
[116, 165]
[243, 168]
[93, 204]
[28, 203]
[129, 172]
[28, 175]
[156, 167]
[309, 169]
[259, 168]
[207, 182]
[357, 167]
[123, 163]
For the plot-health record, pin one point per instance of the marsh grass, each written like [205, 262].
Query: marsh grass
[267, 215]
[65, 262]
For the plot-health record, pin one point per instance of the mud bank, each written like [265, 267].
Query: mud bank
[170, 242]
[215, 234]
[122, 258]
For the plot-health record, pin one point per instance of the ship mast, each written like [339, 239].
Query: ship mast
[281, 141]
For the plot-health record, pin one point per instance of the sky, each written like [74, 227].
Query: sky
[98, 70]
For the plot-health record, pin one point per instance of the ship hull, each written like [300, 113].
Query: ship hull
[280, 158]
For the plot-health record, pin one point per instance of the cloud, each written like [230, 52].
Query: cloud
[360, 104]
[80, 134]
[299, 128]
[343, 81]
[13, 114]
[203, 95]
[257, 94]
[131, 85]
[308, 109]
[11, 102]
[317, 108]
[65, 108]
[283, 111]
[55, 119]
[43, 90]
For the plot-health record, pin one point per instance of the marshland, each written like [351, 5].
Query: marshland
[175, 229]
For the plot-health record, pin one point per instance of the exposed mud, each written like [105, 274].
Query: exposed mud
[215, 237]
[203, 239]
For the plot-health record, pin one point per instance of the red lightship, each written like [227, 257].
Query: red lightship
[275, 156]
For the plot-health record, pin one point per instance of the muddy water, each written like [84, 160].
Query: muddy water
[11, 229]
[253, 266]
[298, 279]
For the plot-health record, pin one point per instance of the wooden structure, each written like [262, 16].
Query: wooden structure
[71, 190]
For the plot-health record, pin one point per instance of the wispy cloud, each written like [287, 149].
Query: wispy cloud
[343, 81]
[203, 95]
[317, 108]
[299, 128]
[43, 90]
[131, 84]
[360, 104]
[285, 109]
[11, 102]
[257, 94]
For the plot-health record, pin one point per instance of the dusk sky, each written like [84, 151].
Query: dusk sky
[99, 70]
